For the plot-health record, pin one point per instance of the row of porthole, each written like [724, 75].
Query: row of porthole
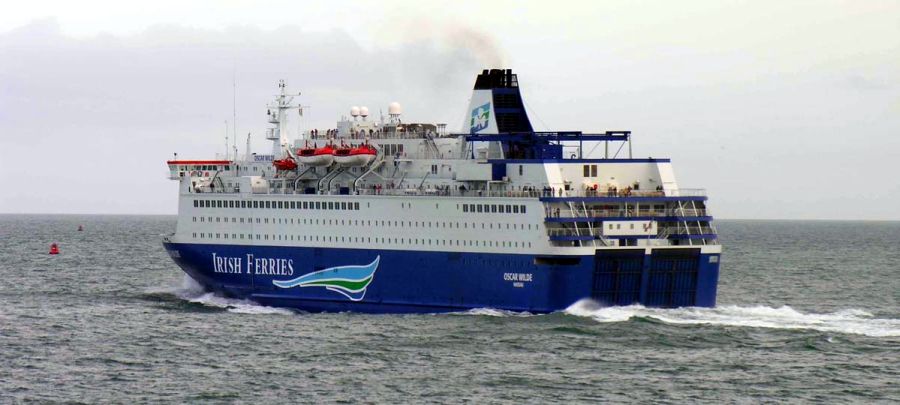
[364, 222]
[357, 239]
[493, 208]
[304, 205]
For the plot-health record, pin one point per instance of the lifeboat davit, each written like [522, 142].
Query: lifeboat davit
[355, 156]
[54, 250]
[323, 156]
[285, 164]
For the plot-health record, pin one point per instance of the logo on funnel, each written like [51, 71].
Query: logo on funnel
[349, 281]
[481, 118]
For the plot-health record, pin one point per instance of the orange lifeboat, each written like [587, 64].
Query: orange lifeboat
[313, 156]
[355, 156]
[284, 164]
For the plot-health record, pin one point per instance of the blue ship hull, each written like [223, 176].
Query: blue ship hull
[395, 281]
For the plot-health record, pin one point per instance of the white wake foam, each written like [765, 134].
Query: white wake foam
[237, 306]
[491, 312]
[191, 290]
[853, 321]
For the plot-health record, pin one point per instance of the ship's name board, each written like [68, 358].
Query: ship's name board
[518, 279]
[263, 158]
[252, 265]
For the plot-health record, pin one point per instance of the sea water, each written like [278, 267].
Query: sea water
[808, 311]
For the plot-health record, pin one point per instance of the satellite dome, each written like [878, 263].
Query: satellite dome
[395, 109]
[354, 111]
[364, 111]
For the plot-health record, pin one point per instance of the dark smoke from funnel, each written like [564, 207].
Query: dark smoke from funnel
[482, 45]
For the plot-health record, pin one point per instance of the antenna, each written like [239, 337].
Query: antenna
[300, 122]
[226, 139]
[233, 107]
[247, 156]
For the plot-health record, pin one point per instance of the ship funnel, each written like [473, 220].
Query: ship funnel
[496, 105]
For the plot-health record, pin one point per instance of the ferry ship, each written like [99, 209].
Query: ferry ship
[394, 216]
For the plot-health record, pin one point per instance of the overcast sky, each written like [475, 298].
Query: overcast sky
[780, 109]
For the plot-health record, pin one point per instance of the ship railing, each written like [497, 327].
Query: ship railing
[622, 213]
[387, 192]
[686, 192]
[662, 232]
[681, 192]
[572, 232]
[215, 190]
[687, 230]
[425, 191]
[374, 136]
[447, 192]
[533, 193]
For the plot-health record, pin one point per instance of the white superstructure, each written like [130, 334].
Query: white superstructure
[425, 189]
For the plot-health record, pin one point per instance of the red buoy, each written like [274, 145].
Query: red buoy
[54, 250]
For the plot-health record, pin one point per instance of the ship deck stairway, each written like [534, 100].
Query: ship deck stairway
[580, 233]
[432, 147]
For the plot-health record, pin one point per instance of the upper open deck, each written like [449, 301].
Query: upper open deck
[548, 194]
